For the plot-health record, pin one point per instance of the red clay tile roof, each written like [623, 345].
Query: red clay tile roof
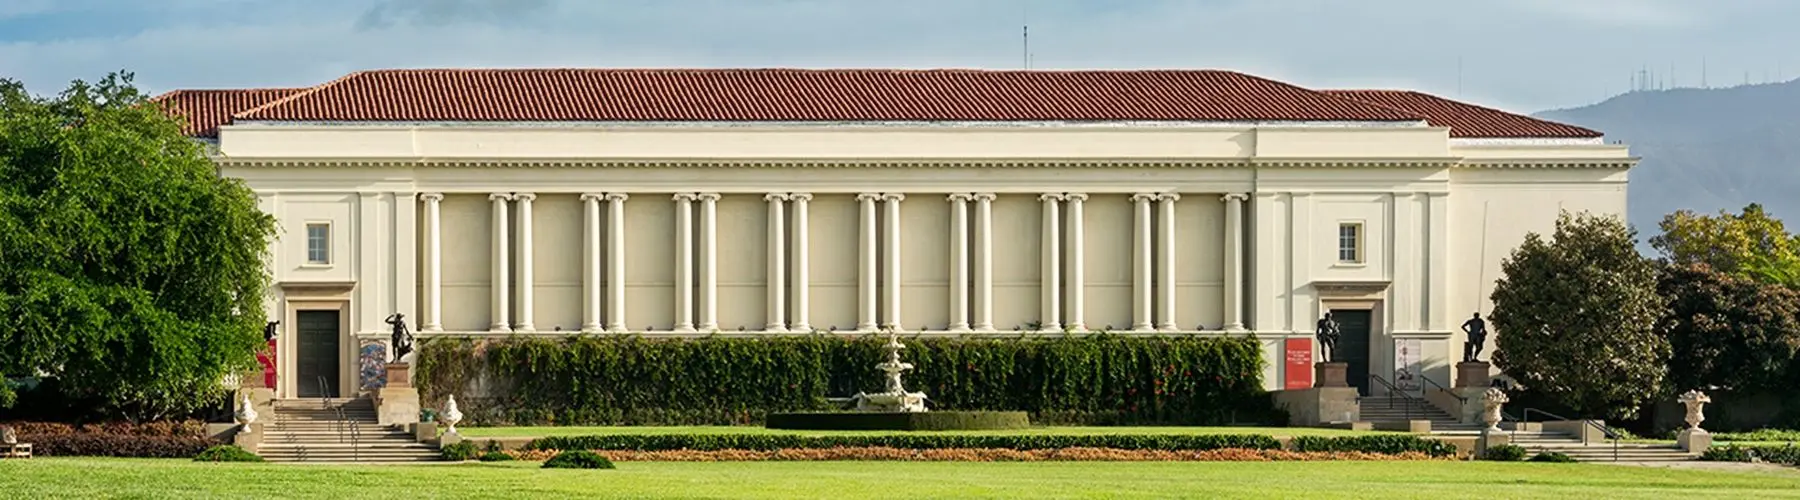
[812, 95]
[1467, 120]
[206, 110]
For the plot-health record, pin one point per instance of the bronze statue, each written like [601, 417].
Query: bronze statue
[1476, 329]
[403, 340]
[269, 330]
[1327, 332]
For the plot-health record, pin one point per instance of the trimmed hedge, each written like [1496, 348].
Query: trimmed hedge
[766, 442]
[1391, 445]
[1553, 457]
[459, 451]
[1095, 379]
[1785, 455]
[927, 421]
[116, 445]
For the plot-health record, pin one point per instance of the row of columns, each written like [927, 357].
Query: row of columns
[879, 267]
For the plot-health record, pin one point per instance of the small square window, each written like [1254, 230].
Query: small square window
[318, 243]
[1349, 244]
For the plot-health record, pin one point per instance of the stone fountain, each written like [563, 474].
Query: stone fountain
[894, 399]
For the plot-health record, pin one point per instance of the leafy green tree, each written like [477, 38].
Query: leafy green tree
[133, 273]
[1749, 244]
[1576, 316]
[1728, 332]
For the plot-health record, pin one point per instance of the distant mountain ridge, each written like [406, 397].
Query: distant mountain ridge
[1703, 149]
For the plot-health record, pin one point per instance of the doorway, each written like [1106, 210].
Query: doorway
[1353, 345]
[317, 352]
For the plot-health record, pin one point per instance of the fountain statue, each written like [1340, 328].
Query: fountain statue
[894, 398]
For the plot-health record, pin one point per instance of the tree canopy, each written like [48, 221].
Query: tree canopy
[1576, 317]
[1748, 244]
[1729, 332]
[133, 274]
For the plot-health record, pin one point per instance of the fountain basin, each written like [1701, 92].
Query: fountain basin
[900, 421]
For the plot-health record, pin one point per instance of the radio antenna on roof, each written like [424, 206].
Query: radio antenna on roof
[1025, 33]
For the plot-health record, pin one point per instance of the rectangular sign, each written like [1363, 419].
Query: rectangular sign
[267, 359]
[1407, 366]
[1299, 363]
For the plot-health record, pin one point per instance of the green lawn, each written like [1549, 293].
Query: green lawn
[479, 432]
[180, 479]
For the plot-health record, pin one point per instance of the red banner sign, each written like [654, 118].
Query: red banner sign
[1299, 360]
[267, 359]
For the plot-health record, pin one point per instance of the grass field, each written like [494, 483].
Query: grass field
[153, 478]
[591, 431]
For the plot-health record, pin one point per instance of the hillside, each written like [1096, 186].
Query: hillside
[1704, 149]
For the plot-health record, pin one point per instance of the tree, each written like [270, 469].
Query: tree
[1728, 332]
[1750, 244]
[133, 274]
[1576, 317]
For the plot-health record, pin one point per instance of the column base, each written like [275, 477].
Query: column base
[983, 328]
[1143, 328]
[801, 328]
[618, 329]
[1050, 327]
[708, 328]
[1076, 328]
[500, 329]
[959, 328]
[775, 329]
[431, 329]
[525, 328]
[594, 328]
[1235, 328]
[684, 329]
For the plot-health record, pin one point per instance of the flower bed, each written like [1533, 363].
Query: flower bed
[180, 439]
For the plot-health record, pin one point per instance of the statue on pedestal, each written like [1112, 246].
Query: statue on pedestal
[270, 329]
[1327, 332]
[403, 339]
[1476, 329]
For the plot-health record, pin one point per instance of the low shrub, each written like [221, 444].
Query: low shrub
[578, 459]
[460, 451]
[175, 428]
[908, 421]
[114, 445]
[1552, 457]
[1786, 455]
[1504, 453]
[768, 442]
[994, 455]
[495, 456]
[1733, 453]
[1388, 444]
[227, 453]
[1776, 435]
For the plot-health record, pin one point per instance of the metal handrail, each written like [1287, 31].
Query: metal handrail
[1462, 402]
[1392, 391]
[1614, 436]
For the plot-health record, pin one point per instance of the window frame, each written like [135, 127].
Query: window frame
[1359, 244]
[307, 247]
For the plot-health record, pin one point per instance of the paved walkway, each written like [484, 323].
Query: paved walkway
[1766, 468]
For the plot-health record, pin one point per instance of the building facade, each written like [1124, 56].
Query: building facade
[769, 202]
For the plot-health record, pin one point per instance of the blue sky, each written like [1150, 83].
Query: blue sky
[1524, 55]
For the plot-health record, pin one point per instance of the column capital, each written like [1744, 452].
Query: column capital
[893, 196]
[800, 197]
[707, 196]
[1168, 197]
[868, 196]
[431, 196]
[686, 196]
[617, 196]
[776, 197]
[525, 197]
[593, 196]
[960, 197]
[985, 197]
[1075, 197]
[1052, 197]
[1230, 197]
[1144, 197]
[500, 197]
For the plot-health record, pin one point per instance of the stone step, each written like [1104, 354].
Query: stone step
[364, 458]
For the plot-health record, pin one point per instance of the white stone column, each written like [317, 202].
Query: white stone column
[800, 281]
[1050, 279]
[1141, 266]
[433, 319]
[1075, 281]
[1234, 261]
[892, 282]
[499, 322]
[709, 262]
[615, 262]
[777, 280]
[527, 275]
[591, 240]
[1166, 263]
[959, 262]
[984, 262]
[870, 248]
[684, 262]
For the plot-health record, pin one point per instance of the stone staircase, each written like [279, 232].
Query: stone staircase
[1393, 412]
[309, 430]
[1598, 451]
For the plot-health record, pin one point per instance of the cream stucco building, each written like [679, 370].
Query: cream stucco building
[758, 202]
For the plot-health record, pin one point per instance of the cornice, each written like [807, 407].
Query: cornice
[1175, 163]
[1560, 163]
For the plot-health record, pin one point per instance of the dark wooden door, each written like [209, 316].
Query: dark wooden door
[1353, 346]
[316, 353]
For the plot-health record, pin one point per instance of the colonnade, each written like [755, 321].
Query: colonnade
[879, 262]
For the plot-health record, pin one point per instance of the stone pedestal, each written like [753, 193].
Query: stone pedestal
[249, 437]
[399, 375]
[1320, 405]
[1331, 375]
[449, 438]
[425, 432]
[397, 405]
[1694, 440]
[1474, 374]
